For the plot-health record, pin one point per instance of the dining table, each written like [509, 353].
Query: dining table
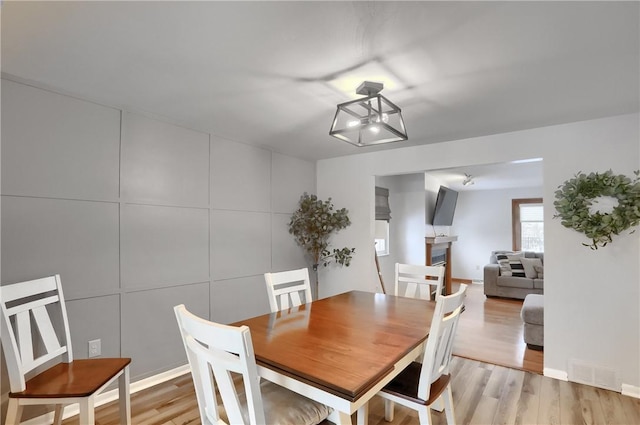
[341, 350]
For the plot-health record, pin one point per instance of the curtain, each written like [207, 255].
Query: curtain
[383, 212]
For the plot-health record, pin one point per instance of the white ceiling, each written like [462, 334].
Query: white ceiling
[510, 175]
[271, 73]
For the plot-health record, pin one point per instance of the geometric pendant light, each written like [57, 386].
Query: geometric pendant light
[370, 120]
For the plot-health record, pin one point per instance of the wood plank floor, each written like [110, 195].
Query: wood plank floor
[484, 391]
[491, 330]
[483, 394]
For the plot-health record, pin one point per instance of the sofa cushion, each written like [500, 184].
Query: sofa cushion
[539, 255]
[515, 282]
[538, 283]
[529, 267]
[526, 254]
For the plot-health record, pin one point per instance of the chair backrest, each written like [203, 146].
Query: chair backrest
[419, 280]
[26, 303]
[437, 353]
[214, 351]
[284, 289]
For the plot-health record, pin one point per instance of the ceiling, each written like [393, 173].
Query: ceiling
[508, 175]
[271, 73]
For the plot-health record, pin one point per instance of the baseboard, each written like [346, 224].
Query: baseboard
[556, 374]
[112, 395]
[628, 390]
[631, 390]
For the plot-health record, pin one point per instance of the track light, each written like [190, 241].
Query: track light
[468, 180]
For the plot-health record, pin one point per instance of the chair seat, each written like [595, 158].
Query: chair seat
[405, 385]
[283, 407]
[80, 378]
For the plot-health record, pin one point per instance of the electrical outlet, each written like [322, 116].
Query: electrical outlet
[95, 348]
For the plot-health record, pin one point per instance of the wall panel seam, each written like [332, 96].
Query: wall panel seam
[127, 291]
[54, 198]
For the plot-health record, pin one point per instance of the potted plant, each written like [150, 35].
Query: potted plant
[312, 225]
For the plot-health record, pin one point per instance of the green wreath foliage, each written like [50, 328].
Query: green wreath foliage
[575, 196]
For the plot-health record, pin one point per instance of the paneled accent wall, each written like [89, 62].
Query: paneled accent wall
[138, 215]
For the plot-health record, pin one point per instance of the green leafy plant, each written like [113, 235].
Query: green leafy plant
[312, 225]
[576, 196]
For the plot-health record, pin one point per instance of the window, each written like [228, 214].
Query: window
[528, 224]
[382, 237]
[383, 215]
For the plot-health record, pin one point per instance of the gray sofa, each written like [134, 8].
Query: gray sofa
[496, 285]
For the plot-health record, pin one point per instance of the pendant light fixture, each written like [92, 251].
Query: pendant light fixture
[370, 120]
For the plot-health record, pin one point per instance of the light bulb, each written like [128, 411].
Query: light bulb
[353, 123]
[385, 118]
[374, 129]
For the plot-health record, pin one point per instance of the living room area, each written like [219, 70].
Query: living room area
[481, 222]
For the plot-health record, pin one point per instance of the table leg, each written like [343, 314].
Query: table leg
[362, 415]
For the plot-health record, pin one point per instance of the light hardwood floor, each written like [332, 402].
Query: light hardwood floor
[483, 394]
[491, 330]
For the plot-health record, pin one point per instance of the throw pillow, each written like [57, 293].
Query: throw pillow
[515, 262]
[540, 270]
[503, 263]
[529, 266]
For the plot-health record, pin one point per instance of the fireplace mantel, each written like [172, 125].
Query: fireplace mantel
[442, 242]
[440, 239]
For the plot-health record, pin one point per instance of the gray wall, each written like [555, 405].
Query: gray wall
[138, 215]
[591, 297]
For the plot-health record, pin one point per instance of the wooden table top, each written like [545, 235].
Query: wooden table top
[343, 344]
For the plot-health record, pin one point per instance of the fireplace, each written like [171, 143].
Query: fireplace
[438, 257]
[439, 254]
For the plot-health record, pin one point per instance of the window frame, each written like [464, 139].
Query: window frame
[387, 250]
[516, 227]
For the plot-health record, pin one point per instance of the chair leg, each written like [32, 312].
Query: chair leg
[388, 410]
[57, 417]
[424, 414]
[14, 412]
[447, 397]
[125, 397]
[87, 413]
[437, 405]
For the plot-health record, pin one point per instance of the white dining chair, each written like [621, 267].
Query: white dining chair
[419, 385]
[215, 351]
[285, 289]
[26, 348]
[419, 280]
